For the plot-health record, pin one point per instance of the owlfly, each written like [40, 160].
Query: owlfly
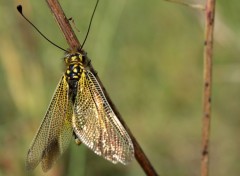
[78, 108]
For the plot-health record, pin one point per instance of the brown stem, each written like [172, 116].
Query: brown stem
[63, 23]
[74, 44]
[208, 53]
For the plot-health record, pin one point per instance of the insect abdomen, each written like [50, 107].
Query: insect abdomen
[73, 74]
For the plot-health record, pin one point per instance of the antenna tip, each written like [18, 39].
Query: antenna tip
[19, 8]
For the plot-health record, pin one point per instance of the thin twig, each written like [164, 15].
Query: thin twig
[63, 23]
[208, 53]
[74, 45]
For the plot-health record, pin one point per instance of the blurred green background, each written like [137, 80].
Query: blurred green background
[149, 55]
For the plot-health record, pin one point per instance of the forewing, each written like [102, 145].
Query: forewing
[96, 125]
[55, 131]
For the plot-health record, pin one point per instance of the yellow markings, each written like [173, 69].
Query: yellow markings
[80, 57]
[75, 70]
[73, 58]
[68, 71]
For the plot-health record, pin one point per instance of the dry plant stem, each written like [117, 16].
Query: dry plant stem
[63, 23]
[74, 45]
[208, 53]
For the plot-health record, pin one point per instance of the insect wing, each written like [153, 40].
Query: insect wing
[55, 131]
[96, 125]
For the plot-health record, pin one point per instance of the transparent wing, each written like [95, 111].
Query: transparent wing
[96, 125]
[55, 131]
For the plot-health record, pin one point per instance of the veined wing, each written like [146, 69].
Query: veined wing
[96, 125]
[55, 131]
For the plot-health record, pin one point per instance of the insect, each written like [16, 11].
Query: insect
[79, 108]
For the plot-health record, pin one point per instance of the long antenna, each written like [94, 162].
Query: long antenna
[89, 24]
[19, 8]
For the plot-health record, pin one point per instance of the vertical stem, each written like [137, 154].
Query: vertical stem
[208, 53]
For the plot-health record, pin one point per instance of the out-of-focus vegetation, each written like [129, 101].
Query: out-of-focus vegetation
[149, 56]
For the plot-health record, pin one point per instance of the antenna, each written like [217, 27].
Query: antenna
[19, 8]
[89, 24]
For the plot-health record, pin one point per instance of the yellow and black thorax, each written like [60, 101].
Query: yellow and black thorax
[76, 63]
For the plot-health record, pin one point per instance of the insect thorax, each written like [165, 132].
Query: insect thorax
[75, 65]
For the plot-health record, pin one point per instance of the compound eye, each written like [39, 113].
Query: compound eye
[84, 59]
